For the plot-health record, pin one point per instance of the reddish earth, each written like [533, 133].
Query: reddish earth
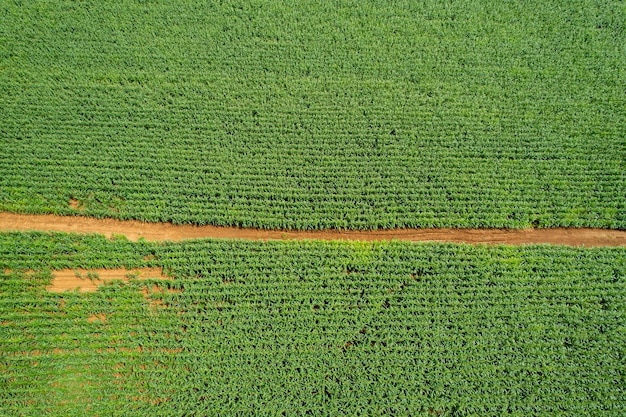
[152, 294]
[75, 204]
[134, 230]
[90, 280]
[102, 318]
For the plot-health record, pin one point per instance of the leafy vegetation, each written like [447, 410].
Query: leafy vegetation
[283, 114]
[312, 328]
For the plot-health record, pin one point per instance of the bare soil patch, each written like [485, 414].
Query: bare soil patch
[153, 294]
[89, 280]
[76, 205]
[100, 318]
[134, 230]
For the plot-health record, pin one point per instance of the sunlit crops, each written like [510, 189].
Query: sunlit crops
[303, 115]
[312, 328]
[312, 115]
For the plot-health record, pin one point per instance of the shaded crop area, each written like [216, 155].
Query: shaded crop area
[301, 115]
[311, 328]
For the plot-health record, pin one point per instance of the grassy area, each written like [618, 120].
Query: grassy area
[312, 328]
[280, 114]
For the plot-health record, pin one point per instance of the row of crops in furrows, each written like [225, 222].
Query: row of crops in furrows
[319, 328]
[303, 116]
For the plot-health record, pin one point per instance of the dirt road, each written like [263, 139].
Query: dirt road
[134, 230]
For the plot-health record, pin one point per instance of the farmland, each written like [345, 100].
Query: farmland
[299, 115]
[310, 328]
[212, 208]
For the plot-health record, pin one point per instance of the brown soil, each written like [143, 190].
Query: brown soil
[70, 279]
[102, 318]
[156, 291]
[134, 230]
[75, 204]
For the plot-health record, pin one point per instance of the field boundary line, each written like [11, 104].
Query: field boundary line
[134, 230]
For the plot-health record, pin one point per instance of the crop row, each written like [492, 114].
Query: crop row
[312, 328]
[305, 116]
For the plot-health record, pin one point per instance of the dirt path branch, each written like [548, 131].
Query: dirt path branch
[134, 230]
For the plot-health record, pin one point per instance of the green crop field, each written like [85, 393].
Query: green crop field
[312, 328]
[312, 115]
[309, 115]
